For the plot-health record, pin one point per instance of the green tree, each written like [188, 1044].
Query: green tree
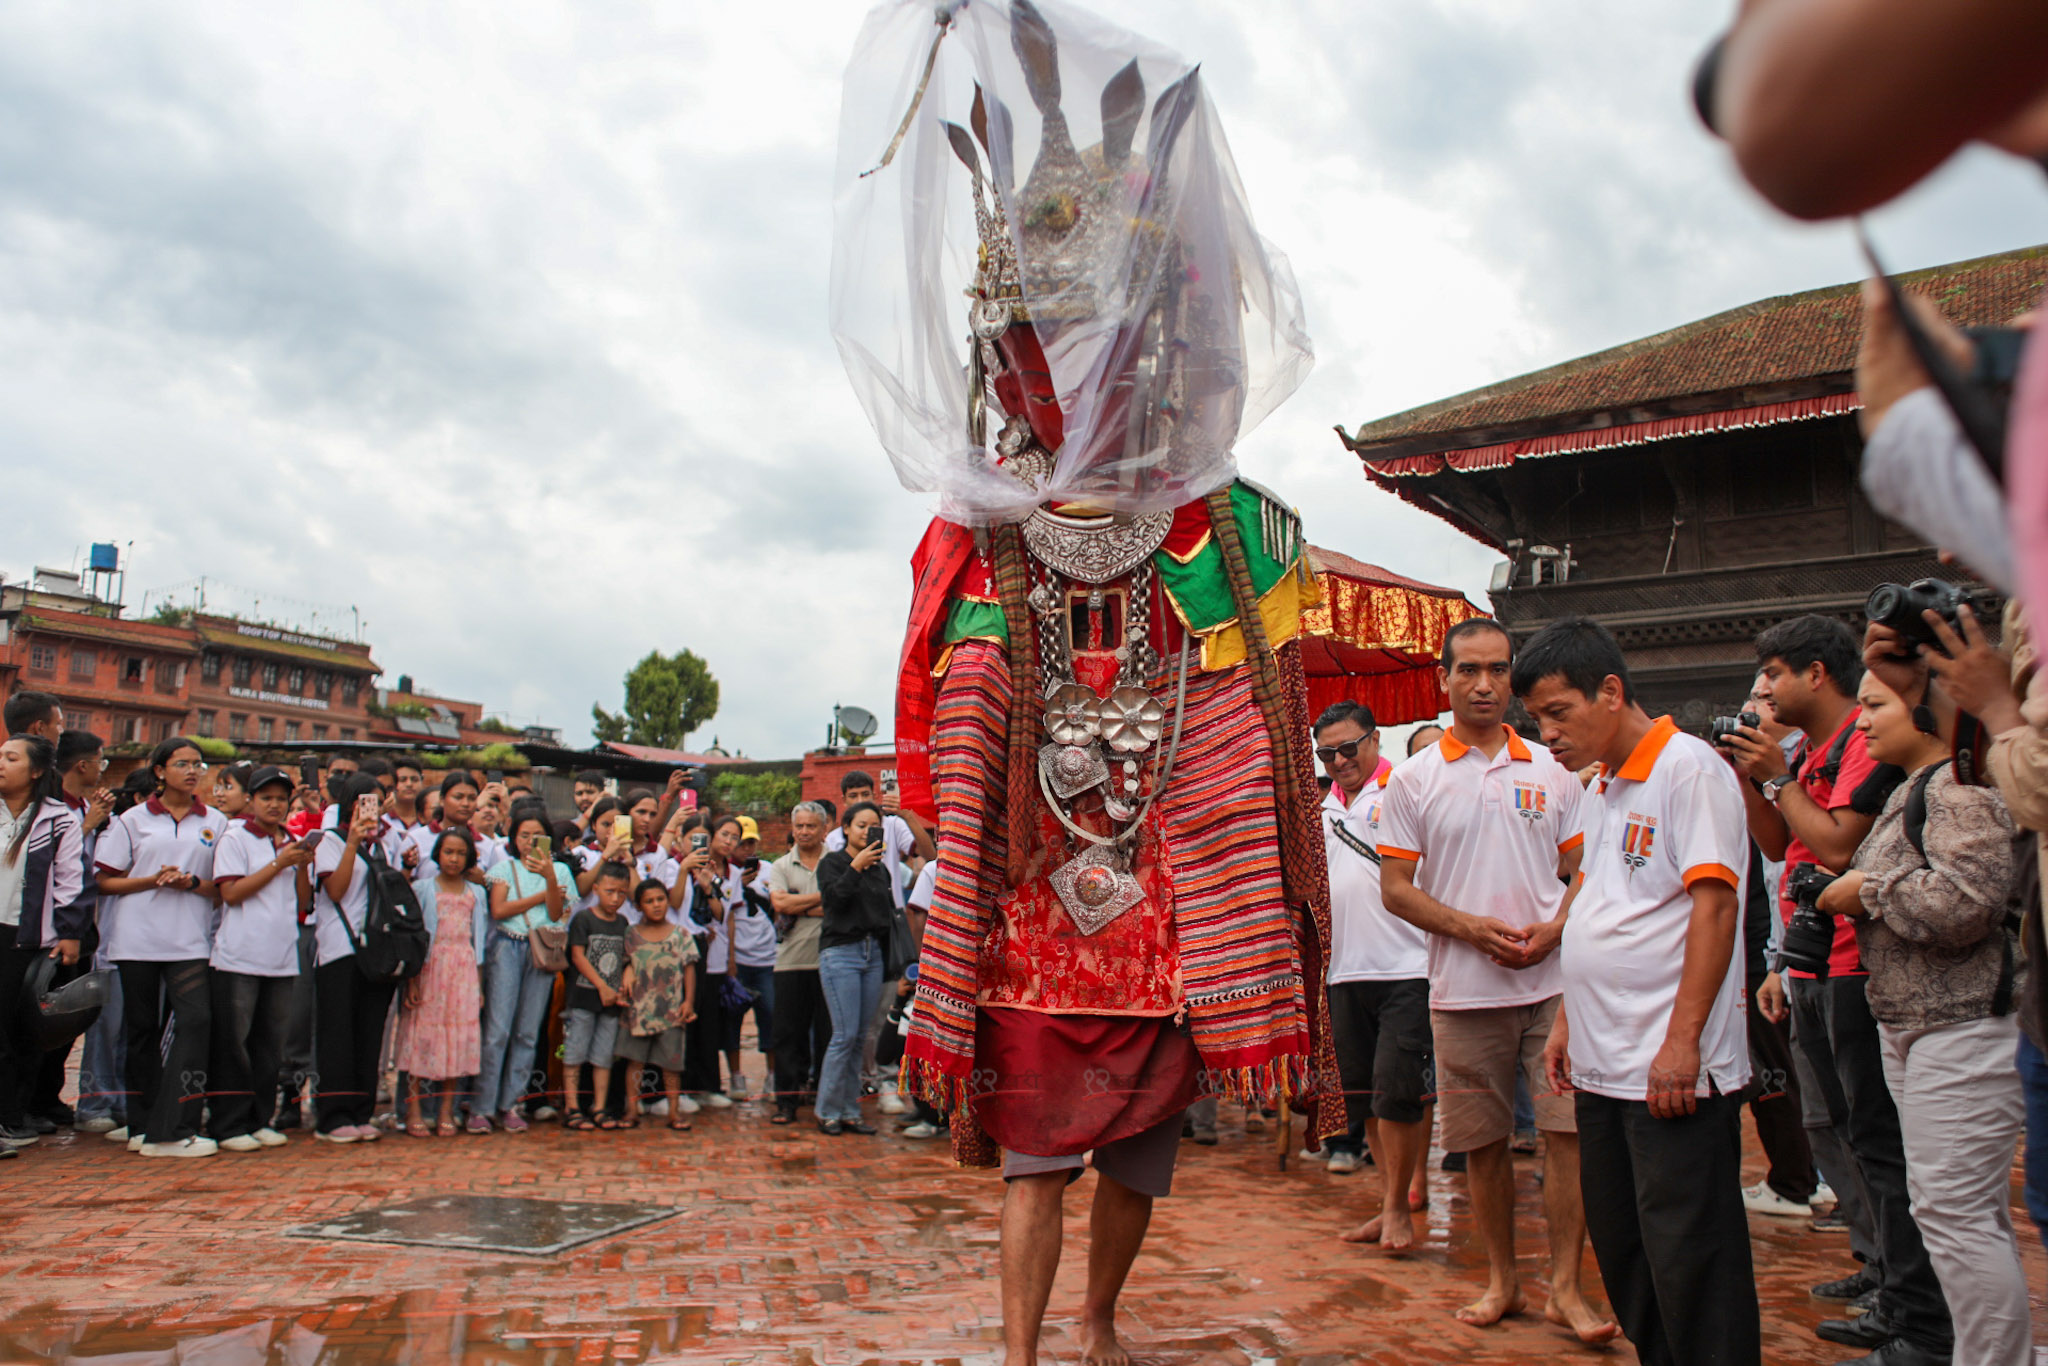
[667, 697]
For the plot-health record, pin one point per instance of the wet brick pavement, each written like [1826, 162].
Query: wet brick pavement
[792, 1248]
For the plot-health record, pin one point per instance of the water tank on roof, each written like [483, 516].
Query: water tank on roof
[104, 558]
[405, 683]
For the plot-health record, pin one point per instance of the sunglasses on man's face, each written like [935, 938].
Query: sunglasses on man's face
[1349, 749]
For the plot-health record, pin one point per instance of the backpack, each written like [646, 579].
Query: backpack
[2030, 884]
[394, 941]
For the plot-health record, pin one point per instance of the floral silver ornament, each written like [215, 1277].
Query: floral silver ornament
[1130, 720]
[1072, 714]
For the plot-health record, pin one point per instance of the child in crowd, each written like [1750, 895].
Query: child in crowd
[597, 963]
[439, 1022]
[660, 986]
[261, 876]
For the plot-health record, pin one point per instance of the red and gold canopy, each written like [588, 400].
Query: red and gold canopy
[1375, 638]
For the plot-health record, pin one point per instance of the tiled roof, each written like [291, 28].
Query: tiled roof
[135, 634]
[1759, 347]
[1337, 562]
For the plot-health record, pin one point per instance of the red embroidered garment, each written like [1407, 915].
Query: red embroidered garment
[1056, 1084]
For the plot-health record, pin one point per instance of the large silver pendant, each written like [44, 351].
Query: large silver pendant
[1130, 720]
[1072, 712]
[1095, 888]
[1094, 549]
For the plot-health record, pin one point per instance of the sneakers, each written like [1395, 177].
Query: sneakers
[514, 1122]
[241, 1143]
[1831, 1222]
[344, 1134]
[656, 1107]
[1761, 1199]
[119, 1135]
[1343, 1163]
[892, 1101]
[184, 1147]
[718, 1100]
[18, 1135]
[921, 1129]
[686, 1103]
[368, 1133]
[1846, 1289]
[135, 1142]
[98, 1124]
[737, 1090]
[1823, 1197]
[545, 1112]
[270, 1138]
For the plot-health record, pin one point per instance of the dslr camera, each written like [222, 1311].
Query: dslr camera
[1810, 934]
[1721, 727]
[1899, 605]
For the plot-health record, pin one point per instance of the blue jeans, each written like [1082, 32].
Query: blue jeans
[102, 1073]
[516, 999]
[2034, 1085]
[851, 975]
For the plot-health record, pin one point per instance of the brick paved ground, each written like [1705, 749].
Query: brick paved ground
[791, 1248]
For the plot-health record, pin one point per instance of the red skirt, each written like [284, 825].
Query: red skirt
[1050, 1085]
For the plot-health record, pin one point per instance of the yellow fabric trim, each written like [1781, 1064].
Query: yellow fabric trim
[1224, 647]
[1201, 544]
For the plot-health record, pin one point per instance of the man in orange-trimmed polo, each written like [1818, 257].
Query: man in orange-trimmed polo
[1653, 1035]
[1479, 835]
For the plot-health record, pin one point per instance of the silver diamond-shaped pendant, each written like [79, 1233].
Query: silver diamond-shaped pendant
[1072, 769]
[1095, 889]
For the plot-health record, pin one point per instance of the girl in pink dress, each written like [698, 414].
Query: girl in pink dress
[439, 1036]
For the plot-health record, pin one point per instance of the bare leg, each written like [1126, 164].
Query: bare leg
[1418, 1185]
[1565, 1212]
[1396, 1152]
[633, 1089]
[1490, 1177]
[600, 1087]
[732, 1068]
[672, 1087]
[1030, 1257]
[413, 1118]
[1116, 1230]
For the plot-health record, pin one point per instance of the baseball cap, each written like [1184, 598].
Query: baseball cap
[749, 830]
[268, 774]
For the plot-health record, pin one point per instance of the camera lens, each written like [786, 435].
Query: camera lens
[1884, 603]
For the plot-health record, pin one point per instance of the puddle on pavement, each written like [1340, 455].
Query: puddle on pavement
[416, 1328]
[935, 1220]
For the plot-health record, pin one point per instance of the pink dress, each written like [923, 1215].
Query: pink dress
[438, 1040]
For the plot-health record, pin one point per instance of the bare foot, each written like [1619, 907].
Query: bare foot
[1397, 1232]
[1367, 1232]
[1100, 1347]
[1418, 1197]
[1492, 1307]
[1580, 1317]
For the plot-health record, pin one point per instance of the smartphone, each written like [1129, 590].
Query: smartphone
[544, 845]
[622, 828]
[309, 770]
[368, 804]
[311, 840]
[494, 775]
[699, 840]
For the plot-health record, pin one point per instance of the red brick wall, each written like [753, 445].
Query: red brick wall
[823, 771]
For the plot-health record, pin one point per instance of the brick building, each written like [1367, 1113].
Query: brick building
[1689, 489]
[126, 681]
[260, 684]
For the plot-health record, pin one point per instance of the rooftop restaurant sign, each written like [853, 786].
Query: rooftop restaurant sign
[283, 637]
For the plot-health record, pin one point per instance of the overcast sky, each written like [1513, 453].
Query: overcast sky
[505, 324]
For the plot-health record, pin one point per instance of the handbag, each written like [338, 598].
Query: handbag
[899, 948]
[547, 946]
[54, 1013]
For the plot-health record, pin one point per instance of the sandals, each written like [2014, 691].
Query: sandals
[445, 1129]
[679, 1124]
[578, 1121]
[629, 1122]
[832, 1127]
[417, 1128]
[606, 1121]
[783, 1117]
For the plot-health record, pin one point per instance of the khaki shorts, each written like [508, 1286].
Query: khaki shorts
[1477, 1052]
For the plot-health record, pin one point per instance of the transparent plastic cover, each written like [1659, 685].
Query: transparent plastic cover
[1028, 175]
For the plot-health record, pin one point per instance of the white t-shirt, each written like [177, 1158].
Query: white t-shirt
[1486, 835]
[927, 883]
[260, 936]
[735, 905]
[160, 924]
[898, 846]
[1368, 942]
[330, 938]
[1669, 817]
[753, 932]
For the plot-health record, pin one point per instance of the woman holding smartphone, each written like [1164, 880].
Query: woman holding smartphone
[858, 903]
[349, 1009]
[528, 889]
[155, 862]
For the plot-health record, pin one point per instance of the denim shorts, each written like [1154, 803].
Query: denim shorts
[590, 1036]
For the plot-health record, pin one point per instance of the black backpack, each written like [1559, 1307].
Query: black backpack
[394, 942]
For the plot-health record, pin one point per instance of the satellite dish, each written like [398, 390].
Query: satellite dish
[855, 724]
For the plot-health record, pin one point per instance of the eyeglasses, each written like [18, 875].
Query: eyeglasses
[196, 765]
[1349, 750]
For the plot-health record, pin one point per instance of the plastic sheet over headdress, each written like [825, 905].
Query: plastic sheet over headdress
[1046, 284]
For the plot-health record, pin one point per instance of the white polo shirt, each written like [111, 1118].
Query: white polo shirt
[1669, 817]
[1486, 836]
[330, 938]
[258, 937]
[1368, 942]
[160, 924]
[898, 846]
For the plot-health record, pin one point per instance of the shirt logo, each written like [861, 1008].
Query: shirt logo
[1636, 839]
[1530, 801]
[206, 835]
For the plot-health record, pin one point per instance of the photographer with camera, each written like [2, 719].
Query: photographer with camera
[1817, 811]
[1934, 898]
